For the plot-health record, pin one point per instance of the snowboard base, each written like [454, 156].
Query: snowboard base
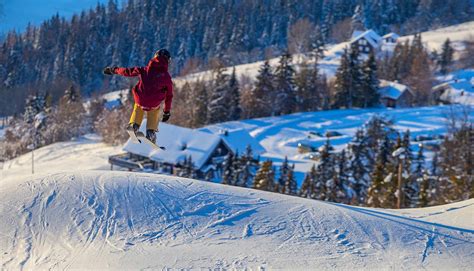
[143, 140]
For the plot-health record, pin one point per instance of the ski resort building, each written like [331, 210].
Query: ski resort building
[367, 41]
[204, 148]
[390, 38]
[394, 94]
[458, 88]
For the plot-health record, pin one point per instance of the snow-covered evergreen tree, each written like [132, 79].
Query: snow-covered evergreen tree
[307, 187]
[370, 83]
[343, 83]
[263, 93]
[228, 169]
[283, 176]
[290, 186]
[446, 58]
[34, 105]
[234, 99]
[285, 99]
[218, 105]
[325, 172]
[265, 177]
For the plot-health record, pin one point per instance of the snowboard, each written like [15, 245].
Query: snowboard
[141, 138]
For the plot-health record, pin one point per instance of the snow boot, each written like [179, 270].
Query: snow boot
[151, 135]
[133, 127]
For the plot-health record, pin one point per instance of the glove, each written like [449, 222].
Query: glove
[166, 116]
[109, 70]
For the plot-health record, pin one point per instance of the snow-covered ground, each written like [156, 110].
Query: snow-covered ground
[280, 136]
[87, 152]
[121, 220]
[434, 39]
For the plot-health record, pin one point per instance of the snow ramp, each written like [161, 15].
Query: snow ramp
[121, 220]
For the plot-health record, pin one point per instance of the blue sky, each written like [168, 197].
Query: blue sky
[17, 13]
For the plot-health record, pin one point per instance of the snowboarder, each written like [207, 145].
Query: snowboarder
[154, 87]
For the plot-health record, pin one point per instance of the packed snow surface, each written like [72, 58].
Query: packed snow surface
[122, 220]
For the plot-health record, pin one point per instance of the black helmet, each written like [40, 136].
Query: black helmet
[163, 52]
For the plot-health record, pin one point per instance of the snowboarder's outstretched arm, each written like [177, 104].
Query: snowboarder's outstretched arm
[128, 72]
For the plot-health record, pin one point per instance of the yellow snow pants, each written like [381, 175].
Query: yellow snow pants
[152, 117]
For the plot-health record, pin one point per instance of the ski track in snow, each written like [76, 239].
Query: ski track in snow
[95, 219]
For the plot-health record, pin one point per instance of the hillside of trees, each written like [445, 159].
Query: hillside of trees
[62, 52]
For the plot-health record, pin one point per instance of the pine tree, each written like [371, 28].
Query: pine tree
[325, 172]
[290, 186]
[446, 58]
[370, 83]
[238, 171]
[343, 83]
[355, 69]
[265, 178]
[263, 93]
[357, 21]
[228, 169]
[307, 84]
[411, 187]
[199, 102]
[246, 166]
[234, 99]
[218, 106]
[282, 179]
[341, 178]
[307, 187]
[377, 192]
[359, 178]
[285, 100]
[419, 163]
[34, 105]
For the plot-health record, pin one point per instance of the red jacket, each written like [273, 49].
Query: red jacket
[154, 86]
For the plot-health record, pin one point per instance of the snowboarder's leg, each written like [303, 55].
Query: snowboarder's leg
[137, 115]
[152, 124]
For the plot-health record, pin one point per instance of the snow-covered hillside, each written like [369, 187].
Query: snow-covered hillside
[119, 220]
[87, 152]
[432, 39]
[280, 136]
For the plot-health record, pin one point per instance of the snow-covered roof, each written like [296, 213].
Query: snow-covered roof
[392, 90]
[356, 33]
[179, 142]
[391, 35]
[458, 87]
[238, 140]
[371, 37]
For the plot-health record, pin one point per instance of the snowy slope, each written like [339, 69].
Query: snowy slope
[84, 153]
[119, 220]
[433, 40]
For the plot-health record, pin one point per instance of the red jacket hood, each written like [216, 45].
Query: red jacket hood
[160, 63]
